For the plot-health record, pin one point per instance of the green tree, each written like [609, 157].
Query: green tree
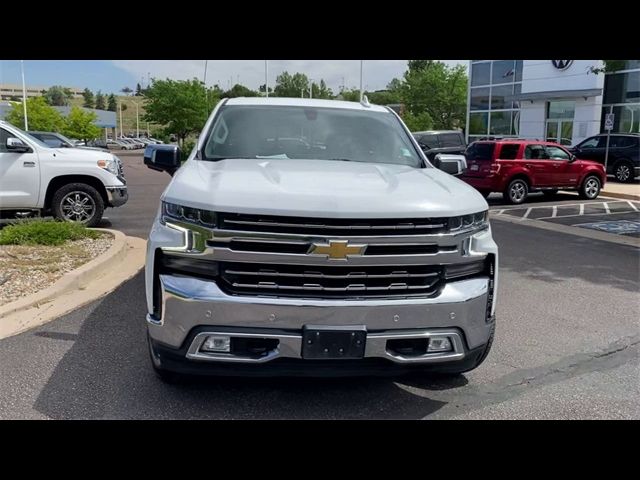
[321, 90]
[58, 96]
[41, 116]
[416, 123]
[181, 106]
[294, 85]
[138, 90]
[239, 91]
[437, 89]
[350, 95]
[100, 103]
[126, 90]
[383, 97]
[88, 98]
[262, 88]
[80, 124]
[112, 105]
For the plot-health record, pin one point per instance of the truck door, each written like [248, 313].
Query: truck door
[19, 176]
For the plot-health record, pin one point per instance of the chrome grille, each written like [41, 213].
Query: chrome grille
[343, 227]
[329, 281]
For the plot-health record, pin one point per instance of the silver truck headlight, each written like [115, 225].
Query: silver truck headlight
[195, 216]
[473, 221]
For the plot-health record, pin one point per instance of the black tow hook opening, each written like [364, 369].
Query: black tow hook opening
[253, 347]
[410, 347]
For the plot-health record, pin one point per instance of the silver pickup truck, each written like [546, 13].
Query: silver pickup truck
[313, 237]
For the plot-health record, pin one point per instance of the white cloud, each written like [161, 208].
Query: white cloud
[376, 73]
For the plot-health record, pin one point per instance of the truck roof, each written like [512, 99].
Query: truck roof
[304, 102]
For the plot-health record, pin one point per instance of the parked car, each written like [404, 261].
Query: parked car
[434, 142]
[624, 154]
[518, 167]
[155, 140]
[57, 140]
[136, 144]
[118, 145]
[272, 257]
[70, 184]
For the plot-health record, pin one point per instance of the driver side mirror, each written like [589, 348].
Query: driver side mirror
[16, 145]
[572, 158]
[451, 164]
[163, 158]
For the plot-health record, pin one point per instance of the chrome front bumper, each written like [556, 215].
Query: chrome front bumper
[460, 311]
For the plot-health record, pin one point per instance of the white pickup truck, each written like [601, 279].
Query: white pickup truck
[313, 237]
[68, 183]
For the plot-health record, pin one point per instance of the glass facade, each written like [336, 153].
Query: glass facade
[492, 111]
[622, 98]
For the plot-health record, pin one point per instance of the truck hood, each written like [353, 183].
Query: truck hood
[80, 154]
[321, 188]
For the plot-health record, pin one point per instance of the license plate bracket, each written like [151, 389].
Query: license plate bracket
[322, 342]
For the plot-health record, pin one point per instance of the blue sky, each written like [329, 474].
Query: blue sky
[112, 75]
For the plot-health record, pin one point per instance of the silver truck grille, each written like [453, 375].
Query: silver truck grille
[331, 227]
[329, 281]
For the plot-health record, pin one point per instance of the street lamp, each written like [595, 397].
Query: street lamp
[137, 120]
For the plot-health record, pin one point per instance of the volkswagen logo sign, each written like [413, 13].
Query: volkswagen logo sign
[562, 64]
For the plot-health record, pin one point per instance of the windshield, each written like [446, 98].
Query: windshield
[35, 140]
[243, 131]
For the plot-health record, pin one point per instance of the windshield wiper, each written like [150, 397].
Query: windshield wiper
[217, 159]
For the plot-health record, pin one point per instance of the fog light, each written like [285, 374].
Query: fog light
[217, 343]
[439, 344]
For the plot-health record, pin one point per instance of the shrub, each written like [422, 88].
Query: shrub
[44, 232]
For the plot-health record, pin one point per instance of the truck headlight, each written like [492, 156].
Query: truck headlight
[473, 221]
[109, 165]
[195, 216]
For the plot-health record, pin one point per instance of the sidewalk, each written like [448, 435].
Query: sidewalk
[629, 191]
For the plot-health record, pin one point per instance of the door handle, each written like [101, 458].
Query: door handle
[28, 164]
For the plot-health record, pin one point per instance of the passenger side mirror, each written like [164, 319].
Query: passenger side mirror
[16, 145]
[451, 164]
[163, 158]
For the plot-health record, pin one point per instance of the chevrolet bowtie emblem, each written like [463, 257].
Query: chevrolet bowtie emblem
[337, 250]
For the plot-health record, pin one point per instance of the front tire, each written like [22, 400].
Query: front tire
[516, 192]
[590, 188]
[78, 202]
[623, 171]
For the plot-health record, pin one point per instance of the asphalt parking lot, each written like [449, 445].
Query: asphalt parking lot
[567, 343]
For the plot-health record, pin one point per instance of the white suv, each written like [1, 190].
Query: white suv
[71, 184]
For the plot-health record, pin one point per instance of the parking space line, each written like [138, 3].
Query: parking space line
[526, 214]
[632, 205]
[555, 211]
[585, 215]
[606, 207]
[581, 209]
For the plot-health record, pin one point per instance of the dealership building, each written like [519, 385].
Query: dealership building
[562, 101]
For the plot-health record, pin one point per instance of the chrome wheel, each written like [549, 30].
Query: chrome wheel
[623, 173]
[591, 187]
[517, 192]
[77, 206]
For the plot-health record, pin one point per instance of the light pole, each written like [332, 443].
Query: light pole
[361, 92]
[120, 108]
[24, 98]
[310, 88]
[266, 78]
[137, 121]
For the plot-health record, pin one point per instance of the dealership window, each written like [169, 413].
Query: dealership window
[480, 74]
[626, 118]
[622, 88]
[478, 123]
[480, 98]
[492, 108]
[503, 71]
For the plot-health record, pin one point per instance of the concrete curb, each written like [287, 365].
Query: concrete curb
[624, 196]
[76, 288]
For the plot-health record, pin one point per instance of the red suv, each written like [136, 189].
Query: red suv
[517, 167]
